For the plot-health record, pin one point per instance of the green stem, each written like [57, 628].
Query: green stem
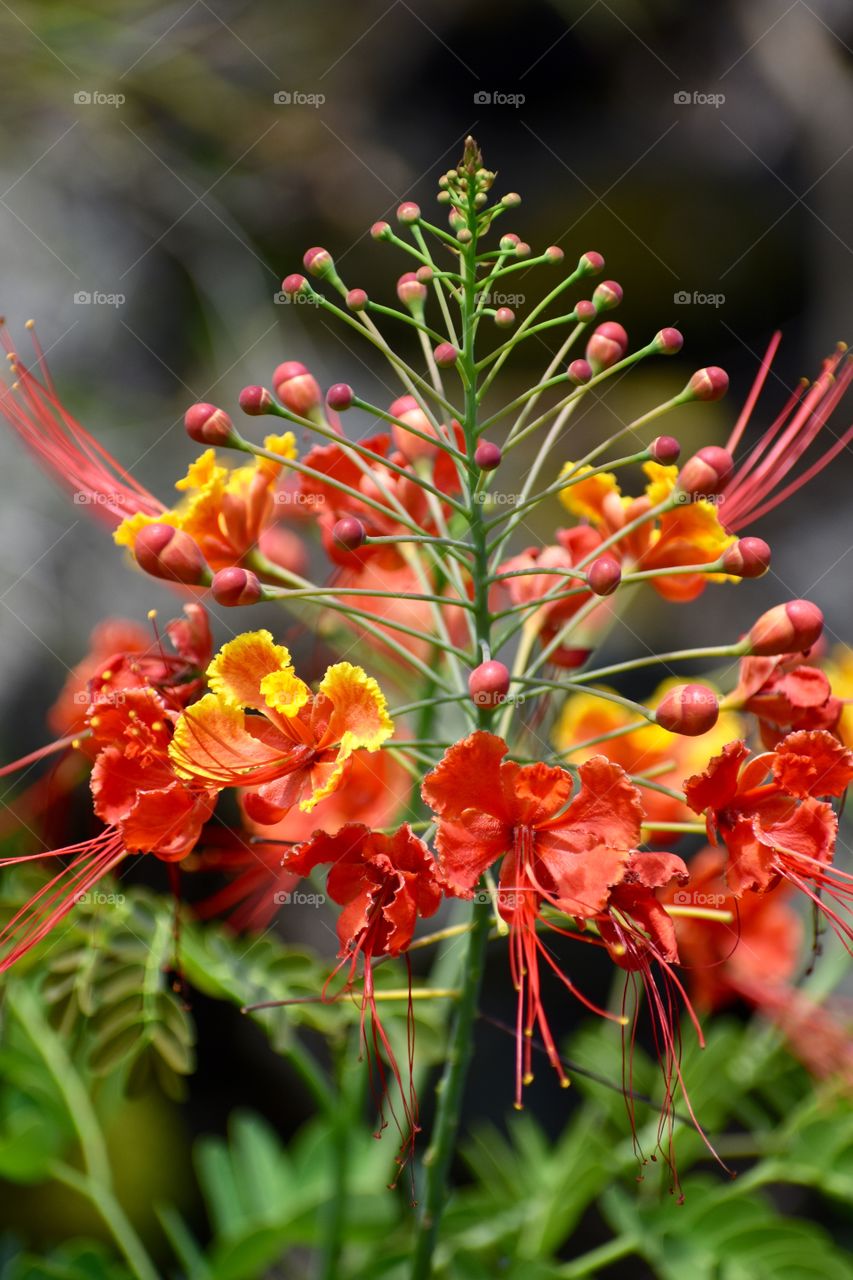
[450, 1091]
[590, 1264]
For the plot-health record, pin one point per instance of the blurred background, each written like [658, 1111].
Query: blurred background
[164, 166]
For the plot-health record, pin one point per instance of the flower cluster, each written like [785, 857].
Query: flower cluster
[511, 771]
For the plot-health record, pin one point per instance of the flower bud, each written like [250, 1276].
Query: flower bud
[410, 413]
[339, 397]
[607, 344]
[607, 295]
[747, 558]
[706, 472]
[488, 684]
[522, 249]
[554, 253]
[349, 533]
[166, 552]
[424, 274]
[688, 709]
[408, 212]
[487, 455]
[464, 236]
[504, 317]
[235, 586]
[591, 263]
[708, 384]
[208, 425]
[580, 372]
[665, 450]
[585, 310]
[786, 628]
[356, 299]
[318, 262]
[297, 389]
[411, 292]
[295, 284]
[381, 231]
[668, 342]
[508, 242]
[445, 355]
[511, 200]
[255, 401]
[604, 575]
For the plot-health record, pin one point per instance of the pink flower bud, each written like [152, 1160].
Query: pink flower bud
[356, 299]
[410, 291]
[339, 397]
[511, 200]
[668, 342]
[297, 389]
[508, 242]
[169, 553]
[591, 263]
[208, 425]
[747, 558]
[604, 575]
[554, 253]
[688, 709]
[408, 212]
[665, 450]
[708, 384]
[255, 401]
[464, 236]
[445, 355]
[409, 412]
[580, 372]
[585, 310]
[294, 284]
[424, 274]
[235, 586]
[488, 684]
[487, 455]
[786, 628]
[381, 231]
[349, 533]
[504, 317]
[522, 249]
[318, 262]
[607, 344]
[706, 472]
[607, 295]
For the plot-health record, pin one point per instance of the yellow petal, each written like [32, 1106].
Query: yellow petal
[284, 692]
[240, 666]
[662, 481]
[359, 711]
[585, 497]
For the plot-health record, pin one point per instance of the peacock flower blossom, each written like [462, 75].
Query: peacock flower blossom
[528, 586]
[770, 815]
[384, 883]
[586, 720]
[256, 884]
[225, 511]
[565, 852]
[64, 448]
[262, 728]
[754, 958]
[784, 693]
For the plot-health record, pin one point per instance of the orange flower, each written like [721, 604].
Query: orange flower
[264, 729]
[783, 693]
[529, 586]
[567, 855]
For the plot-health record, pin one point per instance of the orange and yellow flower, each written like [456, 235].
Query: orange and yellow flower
[263, 729]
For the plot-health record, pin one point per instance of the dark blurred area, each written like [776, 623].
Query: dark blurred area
[164, 165]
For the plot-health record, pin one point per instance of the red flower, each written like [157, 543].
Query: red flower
[785, 694]
[384, 883]
[769, 816]
[568, 855]
[526, 588]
